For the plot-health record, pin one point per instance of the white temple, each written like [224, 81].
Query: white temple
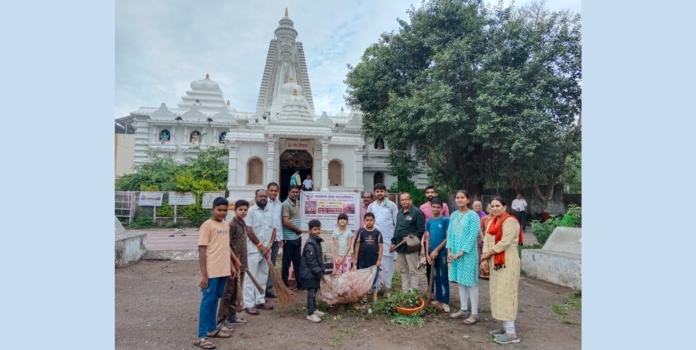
[283, 135]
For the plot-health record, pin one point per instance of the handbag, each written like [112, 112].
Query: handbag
[413, 244]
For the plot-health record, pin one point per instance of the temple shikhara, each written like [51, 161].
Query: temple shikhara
[284, 134]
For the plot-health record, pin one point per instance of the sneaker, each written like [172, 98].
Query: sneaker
[314, 318]
[445, 308]
[497, 332]
[318, 313]
[505, 339]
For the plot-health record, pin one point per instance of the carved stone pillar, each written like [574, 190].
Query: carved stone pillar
[325, 164]
[232, 147]
[359, 168]
[270, 157]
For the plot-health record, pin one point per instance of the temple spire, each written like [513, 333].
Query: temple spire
[286, 12]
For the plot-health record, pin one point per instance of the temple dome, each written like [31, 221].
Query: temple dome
[205, 85]
[204, 93]
[285, 28]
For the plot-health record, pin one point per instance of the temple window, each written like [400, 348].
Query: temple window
[222, 137]
[165, 136]
[195, 137]
[379, 144]
[255, 171]
[335, 173]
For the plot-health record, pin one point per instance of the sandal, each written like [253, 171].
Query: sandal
[204, 344]
[235, 320]
[222, 332]
[469, 321]
[460, 314]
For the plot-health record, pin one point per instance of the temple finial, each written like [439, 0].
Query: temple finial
[286, 12]
[228, 102]
[341, 109]
[207, 76]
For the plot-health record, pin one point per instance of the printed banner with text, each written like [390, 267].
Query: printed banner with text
[325, 207]
[178, 198]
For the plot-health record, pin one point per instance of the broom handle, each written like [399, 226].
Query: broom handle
[239, 290]
[430, 285]
[400, 244]
[256, 283]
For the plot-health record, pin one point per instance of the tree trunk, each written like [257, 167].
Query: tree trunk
[546, 197]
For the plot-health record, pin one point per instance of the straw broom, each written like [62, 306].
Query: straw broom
[284, 296]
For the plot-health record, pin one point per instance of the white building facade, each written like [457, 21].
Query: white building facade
[282, 136]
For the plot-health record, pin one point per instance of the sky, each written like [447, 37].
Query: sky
[164, 45]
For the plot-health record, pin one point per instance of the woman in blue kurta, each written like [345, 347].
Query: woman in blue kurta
[462, 252]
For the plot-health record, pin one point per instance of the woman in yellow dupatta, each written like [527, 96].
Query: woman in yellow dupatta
[501, 258]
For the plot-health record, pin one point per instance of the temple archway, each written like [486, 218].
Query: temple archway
[290, 161]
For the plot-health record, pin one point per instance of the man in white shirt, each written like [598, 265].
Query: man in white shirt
[261, 233]
[385, 221]
[275, 206]
[308, 184]
[519, 209]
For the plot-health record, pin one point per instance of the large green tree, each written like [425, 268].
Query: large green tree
[486, 93]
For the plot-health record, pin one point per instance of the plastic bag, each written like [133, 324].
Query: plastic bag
[347, 287]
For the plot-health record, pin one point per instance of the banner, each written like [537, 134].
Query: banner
[178, 198]
[325, 207]
[150, 199]
[209, 197]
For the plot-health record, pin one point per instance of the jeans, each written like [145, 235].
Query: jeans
[311, 300]
[274, 257]
[292, 251]
[441, 277]
[209, 303]
[522, 217]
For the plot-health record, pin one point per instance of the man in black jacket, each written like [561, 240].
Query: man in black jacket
[409, 221]
[312, 269]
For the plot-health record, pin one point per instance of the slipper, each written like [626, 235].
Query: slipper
[219, 333]
[204, 344]
[468, 321]
[236, 320]
[460, 314]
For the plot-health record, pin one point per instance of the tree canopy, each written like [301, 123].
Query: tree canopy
[477, 93]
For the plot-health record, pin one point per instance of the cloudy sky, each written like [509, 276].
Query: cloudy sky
[164, 45]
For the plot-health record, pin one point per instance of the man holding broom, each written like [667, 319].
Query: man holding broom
[227, 311]
[261, 231]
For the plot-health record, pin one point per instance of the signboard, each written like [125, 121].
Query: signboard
[209, 197]
[297, 145]
[325, 207]
[178, 198]
[150, 199]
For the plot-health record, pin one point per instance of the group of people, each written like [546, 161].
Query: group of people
[238, 247]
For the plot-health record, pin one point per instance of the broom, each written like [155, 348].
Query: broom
[284, 296]
[253, 280]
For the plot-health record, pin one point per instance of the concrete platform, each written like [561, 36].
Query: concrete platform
[129, 246]
[559, 261]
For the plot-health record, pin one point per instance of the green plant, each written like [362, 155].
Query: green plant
[572, 217]
[560, 309]
[408, 321]
[140, 223]
[543, 230]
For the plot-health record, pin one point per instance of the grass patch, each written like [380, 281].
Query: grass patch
[336, 340]
[560, 309]
[574, 299]
[568, 322]
[408, 321]
[311, 343]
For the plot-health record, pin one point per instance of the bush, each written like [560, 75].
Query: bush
[543, 230]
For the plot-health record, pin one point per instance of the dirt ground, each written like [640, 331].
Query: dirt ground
[157, 308]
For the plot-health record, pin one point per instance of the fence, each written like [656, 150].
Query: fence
[155, 207]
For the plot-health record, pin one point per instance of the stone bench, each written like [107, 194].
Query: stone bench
[130, 248]
[559, 261]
